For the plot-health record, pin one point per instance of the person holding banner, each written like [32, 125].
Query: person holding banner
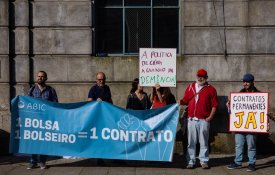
[202, 102]
[249, 138]
[137, 99]
[43, 91]
[100, 91]
[161, 96]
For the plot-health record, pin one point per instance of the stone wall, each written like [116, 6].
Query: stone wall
[228, 38]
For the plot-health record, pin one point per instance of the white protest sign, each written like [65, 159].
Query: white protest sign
[248, 112]
[157, 66]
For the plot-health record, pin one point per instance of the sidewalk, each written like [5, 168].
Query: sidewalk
[12, 165]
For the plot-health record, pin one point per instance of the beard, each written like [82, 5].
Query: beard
[201, 83]
[100, 84]
[247, 87]
[40, 82]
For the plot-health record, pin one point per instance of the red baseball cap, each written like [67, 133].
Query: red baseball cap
[202, 73]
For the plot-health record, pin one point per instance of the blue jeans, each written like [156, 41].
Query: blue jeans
[240, 139]
[197, 130]
[34, 159]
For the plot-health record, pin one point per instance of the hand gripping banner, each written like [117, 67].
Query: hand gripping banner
[92, 130]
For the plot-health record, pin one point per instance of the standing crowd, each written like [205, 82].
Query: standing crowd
[200, 97]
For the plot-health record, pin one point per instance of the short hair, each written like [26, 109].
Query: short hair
[41, 71]
[104, 76]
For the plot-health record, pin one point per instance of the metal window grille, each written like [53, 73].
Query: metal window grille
[124, 26]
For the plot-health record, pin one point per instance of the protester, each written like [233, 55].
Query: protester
[43, 91]
[249, 138]
[137, 99]
[202, 102]
[100, 91]
[161, 96]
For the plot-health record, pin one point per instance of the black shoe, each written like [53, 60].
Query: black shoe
[31, 166]
[251, 167]
[233, 166]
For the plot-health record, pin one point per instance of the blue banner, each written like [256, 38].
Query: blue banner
[92, 129]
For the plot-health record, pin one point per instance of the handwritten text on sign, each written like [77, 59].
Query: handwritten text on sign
[157, 66]
[248, 112]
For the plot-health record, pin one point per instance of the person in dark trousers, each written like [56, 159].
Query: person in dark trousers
[43, 91]
[100, 92]
[249, 138]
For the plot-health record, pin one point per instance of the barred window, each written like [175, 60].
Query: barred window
[124, 26]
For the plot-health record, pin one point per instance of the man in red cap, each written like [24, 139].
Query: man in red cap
[201, 99]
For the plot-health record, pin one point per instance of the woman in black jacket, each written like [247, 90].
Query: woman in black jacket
[137, 99]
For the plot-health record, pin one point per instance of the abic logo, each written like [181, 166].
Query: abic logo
[21, 104]
[32, 106]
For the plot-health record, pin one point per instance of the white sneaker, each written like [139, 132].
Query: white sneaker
[43, 166]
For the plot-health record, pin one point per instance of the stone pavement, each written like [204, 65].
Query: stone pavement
[14, 165]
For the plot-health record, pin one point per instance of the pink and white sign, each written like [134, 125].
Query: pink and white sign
[157, 66]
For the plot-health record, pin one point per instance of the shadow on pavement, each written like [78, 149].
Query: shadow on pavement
[22, 158]
[178, 162]
[266, 165]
